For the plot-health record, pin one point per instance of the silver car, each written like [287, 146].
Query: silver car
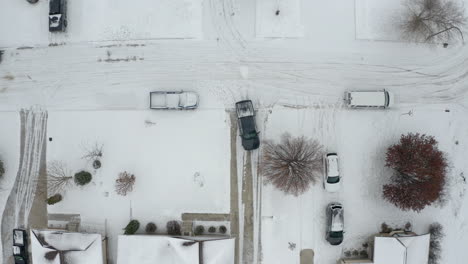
[173, 100]
[335, 223]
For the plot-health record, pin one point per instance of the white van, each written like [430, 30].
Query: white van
[369, 99]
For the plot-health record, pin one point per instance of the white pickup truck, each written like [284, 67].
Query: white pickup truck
[173, 100]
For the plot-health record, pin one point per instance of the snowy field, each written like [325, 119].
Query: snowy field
[295, 66]
[180, 160]
[360, 138]
[90, 20]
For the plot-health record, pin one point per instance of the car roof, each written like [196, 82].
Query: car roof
[332, 165]
[368, 98]
[337, 218]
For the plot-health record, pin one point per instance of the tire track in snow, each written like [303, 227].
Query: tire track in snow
[20, 201]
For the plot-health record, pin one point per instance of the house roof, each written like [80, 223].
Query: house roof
[76, 247]
[401, 249]
[146, 249]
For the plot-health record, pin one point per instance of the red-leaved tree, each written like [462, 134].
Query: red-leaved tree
[420, 169]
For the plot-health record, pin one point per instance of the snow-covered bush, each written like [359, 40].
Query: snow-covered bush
[173, 228]
[384, 228]
[292, 164]
[94, 154]
[420, 169]
[83, 177]
[435, 248]
[2, 168]
[96, 164]
[54, 199]
[124, 183]
[212, 229]
[199, 230]
[132, 227]
[151, 228]
[222, 229]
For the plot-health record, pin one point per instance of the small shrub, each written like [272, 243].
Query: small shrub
[132, 227]
[2, 169]
[347, 254]
[199, 230]
[408, 227]
[96, 164]
[384, 228]
[355, 253]
[51, 255]
[83, 178]
[124, 183]
[363, 253]
[222, 229]
[212, 229]
[54, 199]
[173, 228]
[151, 228]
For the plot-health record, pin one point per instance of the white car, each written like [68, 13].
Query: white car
[332, 179]
[173, 100]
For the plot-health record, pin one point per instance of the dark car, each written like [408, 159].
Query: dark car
[335, 223]
[247, 126]
[20, 246]
[57, 15]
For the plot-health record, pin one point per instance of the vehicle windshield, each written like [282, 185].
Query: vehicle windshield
[250, 135]
[333, 179]
[336, 234]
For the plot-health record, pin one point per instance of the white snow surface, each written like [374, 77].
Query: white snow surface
[99, 91]
[90, 20]
[279, 19]
[164, 157]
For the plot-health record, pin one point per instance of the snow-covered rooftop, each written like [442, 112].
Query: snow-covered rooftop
[402, 250]
[144, 249]
[76, 247]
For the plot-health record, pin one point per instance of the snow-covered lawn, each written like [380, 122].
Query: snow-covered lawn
[90, 20]
[378, 20]
[180, 160]
[279, 19]
[361, 138]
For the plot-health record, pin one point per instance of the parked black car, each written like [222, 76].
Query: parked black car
[57, 15]
[247, 126]
[20, 246]
[335, 223]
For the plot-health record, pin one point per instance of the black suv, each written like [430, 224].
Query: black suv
[57, 15]
[247, 127]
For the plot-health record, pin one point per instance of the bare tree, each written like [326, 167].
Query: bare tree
[433, 21]
[124, 184]
[93, 153]
[59, 178]
[292, 164]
